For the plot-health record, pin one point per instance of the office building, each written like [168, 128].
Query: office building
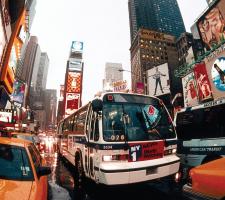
[42, 72]
[151, 49]
[113, 73]
[158, 15]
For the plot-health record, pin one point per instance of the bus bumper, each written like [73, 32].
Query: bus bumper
[114, 173]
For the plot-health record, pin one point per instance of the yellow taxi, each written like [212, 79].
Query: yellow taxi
[22, 173]
[206, 181]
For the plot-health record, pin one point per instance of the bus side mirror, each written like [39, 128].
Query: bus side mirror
[97, 105]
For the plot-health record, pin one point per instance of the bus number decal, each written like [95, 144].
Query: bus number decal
[107, 147]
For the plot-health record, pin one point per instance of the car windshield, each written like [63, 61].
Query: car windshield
[136, 122]
[14, 163]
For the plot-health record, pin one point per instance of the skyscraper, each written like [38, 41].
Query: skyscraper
[112, 74]
[158, 15]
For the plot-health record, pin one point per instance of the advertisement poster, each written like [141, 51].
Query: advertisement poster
[119, 86]
[140, 88]
[2, 39]
[18, 92]
[145, 151]
[75, 64]
[211, 25]
[5, 116]
[218, 74]
[72, 103]
[158, 80]
[74, 82]
[215, 65]
[203, 83]
[190, 93]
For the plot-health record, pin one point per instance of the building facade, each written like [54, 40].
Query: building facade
[42, 72]
[151, 49]
[159, 15]
[113, 73]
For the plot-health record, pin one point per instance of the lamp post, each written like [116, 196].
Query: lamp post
[134, 87]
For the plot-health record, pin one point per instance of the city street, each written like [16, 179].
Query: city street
[62, 185]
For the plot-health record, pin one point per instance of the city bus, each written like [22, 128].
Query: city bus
[120, 138]
[201, 134]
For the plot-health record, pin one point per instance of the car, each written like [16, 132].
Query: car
[27, 136]
[23, 174]
[206, 181]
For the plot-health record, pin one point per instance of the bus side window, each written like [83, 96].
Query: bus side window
[94, 127]
[96, 133]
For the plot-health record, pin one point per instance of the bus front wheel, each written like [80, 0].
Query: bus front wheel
[79, 172]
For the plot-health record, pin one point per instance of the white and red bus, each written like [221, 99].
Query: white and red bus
[120, 138]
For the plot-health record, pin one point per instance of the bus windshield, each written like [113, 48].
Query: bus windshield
[136, 122]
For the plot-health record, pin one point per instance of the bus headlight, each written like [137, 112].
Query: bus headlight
[170, 151]
[118, 157]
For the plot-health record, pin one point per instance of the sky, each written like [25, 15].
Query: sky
[103, 26]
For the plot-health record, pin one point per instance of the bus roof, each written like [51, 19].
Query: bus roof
[204, 105]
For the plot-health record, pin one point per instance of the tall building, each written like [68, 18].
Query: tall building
[151, 49]
[50, 108]
[42, 72]
[159, 15]
[113, 73]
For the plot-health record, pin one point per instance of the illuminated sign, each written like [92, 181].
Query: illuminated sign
[189, 90]
[2, 39]
[73, 82]
[75, 64]
[203, 84]
[211, 25]
[77, 46]
[72, 103]
[5, 116]
[119, 86]
[18, 92]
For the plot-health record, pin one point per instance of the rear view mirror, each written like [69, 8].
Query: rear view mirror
[44, 171]
[97, 105]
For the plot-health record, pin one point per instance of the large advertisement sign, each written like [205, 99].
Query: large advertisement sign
[73, 82]
[77, 46]
[75, 64]
[212, 25]
[203, 83]
[119, 86]
[72, 103]
[215, 64]
[2, 39]
[18, 91]
[190, 90]
[140, 88]
[158, 80]
[5, 116]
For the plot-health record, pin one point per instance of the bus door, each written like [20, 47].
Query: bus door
[93, 136]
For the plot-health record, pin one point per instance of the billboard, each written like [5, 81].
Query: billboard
[158, 80]
[203, 83]
[119, 86]
[73, 82]
[190, 93]
[18, 91]
[215, 65]
[72, 103]
[77, 46]
[2, 39]
[75, 64]
[5, 116]
[212, 25]
[140, 89]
